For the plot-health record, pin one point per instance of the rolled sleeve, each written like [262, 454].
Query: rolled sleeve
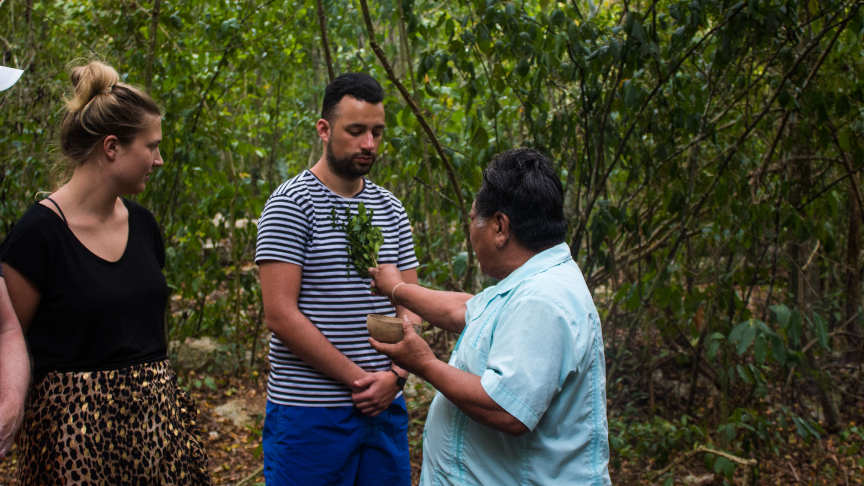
[530, 357]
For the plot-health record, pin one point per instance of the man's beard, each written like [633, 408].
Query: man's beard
[344, 167]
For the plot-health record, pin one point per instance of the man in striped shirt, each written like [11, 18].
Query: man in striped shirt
[335, 414]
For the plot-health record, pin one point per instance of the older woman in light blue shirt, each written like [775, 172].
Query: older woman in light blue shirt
[523, 398]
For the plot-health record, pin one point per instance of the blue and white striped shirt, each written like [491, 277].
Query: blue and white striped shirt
[295, 227]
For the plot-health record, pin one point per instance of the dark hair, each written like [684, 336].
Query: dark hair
[359, 85]
[523, 184]
[100, 106]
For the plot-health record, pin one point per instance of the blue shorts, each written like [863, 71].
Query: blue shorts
[312, 446]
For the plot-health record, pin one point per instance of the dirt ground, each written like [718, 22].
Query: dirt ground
[234, 452]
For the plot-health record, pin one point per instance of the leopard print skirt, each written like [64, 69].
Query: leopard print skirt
[129, 426]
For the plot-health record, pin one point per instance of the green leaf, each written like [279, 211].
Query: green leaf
[746, 339]
[778, 350]
[820, 328]
[794, 329]
[573, 33]
[843, 138]
[745, 375]
[211, 383]
[721, 465]
[491, 109]
[736, 333]
[480, 140]
[800, 427]
[460, 263]
[781, 314]
[760, 349]
[712, 350]
[638, 32]
[631, 96]
[784, 98]
[524, 67]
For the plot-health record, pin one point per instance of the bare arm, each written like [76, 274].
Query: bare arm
[24, 294]
[466, 392]
[445, 310]
[14, 365]
[372, 393]
[408, 276]
[280, 289]
[460, 387]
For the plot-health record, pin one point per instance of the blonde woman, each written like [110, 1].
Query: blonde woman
[84, 273]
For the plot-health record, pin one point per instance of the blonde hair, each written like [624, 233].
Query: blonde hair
[100, 106]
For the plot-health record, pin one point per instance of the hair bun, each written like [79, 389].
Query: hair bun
[89, 80]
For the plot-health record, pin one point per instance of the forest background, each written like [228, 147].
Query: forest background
[710, 153]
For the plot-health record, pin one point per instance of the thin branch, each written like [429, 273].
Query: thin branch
[747, 463]
[151, 46]
[322, 21]
[583, 220]
[451, 174]
[442, 196]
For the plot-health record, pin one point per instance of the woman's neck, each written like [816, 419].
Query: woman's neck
[90, 193]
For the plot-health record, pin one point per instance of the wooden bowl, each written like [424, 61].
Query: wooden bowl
[387, 329]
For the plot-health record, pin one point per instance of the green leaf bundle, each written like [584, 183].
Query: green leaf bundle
[364, 239]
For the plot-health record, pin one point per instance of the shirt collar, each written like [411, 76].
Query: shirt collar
[539, 263]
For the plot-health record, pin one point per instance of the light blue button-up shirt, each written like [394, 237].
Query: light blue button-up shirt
[535, 340]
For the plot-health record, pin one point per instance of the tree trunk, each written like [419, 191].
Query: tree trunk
[853, 274]
[151, 46]
[804, 284]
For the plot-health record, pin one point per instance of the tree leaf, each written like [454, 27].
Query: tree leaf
[778, 350]
[746, 339]
[712, 350]
[211, 383]
[760, 349]
[736, 333]
[745, 375]
[638, 32]
[781, 314]
[794, 328]
[820, 328]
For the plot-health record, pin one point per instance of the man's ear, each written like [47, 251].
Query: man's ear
[109, 146]
[502, 228]
[324, 130]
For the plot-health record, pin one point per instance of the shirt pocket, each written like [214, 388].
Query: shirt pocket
[473, 353]
[472, 360]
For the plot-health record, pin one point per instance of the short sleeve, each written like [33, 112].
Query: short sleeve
[284, 231]
[407, 259]
[152, 230]
[27, 248]
[530, 358]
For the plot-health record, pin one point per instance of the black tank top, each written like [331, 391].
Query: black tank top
[94, 315]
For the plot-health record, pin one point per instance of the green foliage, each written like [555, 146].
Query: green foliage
[364, 239]
[702, 147]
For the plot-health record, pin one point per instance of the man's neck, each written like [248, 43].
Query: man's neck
[344, 187]
[512, 258]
